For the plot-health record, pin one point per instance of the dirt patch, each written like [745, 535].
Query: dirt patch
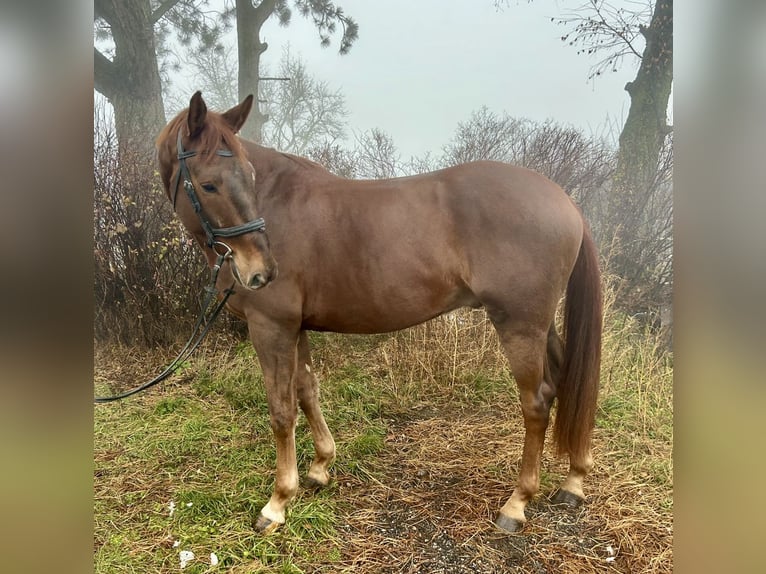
[433, 510]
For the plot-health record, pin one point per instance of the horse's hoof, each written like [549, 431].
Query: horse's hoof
[508, 524]
[566, 498]
[309, 483]
[264, 525]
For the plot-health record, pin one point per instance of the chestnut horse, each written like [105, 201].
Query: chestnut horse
[381, 255]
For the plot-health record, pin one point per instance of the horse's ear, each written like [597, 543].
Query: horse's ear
[237, 115]
[197, 114]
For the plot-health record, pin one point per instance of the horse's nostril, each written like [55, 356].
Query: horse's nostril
[257, 280]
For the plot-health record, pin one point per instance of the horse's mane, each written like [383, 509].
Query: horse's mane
[216, 134]
[303, 161]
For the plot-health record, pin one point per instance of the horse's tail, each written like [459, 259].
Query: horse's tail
[578, 380]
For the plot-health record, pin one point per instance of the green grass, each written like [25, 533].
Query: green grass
[636, 403]
[206, 445]
[216, 473]
[208, 448]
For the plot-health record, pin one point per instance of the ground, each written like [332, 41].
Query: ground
[442, 485]
[422, 468]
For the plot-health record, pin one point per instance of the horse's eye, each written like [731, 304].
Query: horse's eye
[209, 187]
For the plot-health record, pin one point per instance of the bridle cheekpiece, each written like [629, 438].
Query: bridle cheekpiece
[211, 232]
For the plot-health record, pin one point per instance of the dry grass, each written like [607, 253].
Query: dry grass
[429, 434]
[444, 479]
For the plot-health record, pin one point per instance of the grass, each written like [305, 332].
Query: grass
[429, 437]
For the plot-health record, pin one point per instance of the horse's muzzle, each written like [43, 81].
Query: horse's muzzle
[259, 280]
[256, 279]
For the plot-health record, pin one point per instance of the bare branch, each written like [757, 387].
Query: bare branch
[600, 28]
[105, 74]
[162, 9]
[303, 111]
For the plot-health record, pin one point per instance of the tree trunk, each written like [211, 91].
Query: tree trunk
[641, 141]
[250, 19]
[131, 80]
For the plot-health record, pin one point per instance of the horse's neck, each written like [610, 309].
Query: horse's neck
[268, 161]
[262, 158]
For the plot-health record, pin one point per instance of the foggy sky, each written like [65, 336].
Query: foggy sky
[420, 67]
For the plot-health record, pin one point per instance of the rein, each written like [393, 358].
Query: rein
[201, 329]
[204, 321]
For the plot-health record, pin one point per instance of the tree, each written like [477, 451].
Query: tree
[376, 156]
[303, 112]
[128, 72]
[601, 28]
[604, 30]
[487, 136]
[252, 16]
[142, 270]
[580, 165]
[130, 80]
[645, 130]
[130, 46]
[215, 75]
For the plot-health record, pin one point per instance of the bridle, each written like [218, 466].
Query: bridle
[211, 232]
[206, 318]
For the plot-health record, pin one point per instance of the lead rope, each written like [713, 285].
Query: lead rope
[200, 331]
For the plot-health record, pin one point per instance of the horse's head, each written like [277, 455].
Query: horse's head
[211, 183]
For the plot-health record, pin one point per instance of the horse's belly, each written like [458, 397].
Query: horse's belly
[384, 312]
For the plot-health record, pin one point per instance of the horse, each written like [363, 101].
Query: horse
[302, 249]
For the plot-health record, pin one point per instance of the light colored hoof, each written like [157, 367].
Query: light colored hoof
[264, 525]
[566, 498]
[508, 524]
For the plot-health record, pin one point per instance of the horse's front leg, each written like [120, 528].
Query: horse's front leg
[308, 399]
[276, 349]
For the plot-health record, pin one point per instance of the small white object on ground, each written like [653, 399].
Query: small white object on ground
[185, 556]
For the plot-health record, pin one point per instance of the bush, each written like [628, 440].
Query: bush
[147, 274]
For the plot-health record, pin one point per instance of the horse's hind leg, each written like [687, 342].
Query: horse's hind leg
[308, 399]
[525, 347]
[571, 492]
